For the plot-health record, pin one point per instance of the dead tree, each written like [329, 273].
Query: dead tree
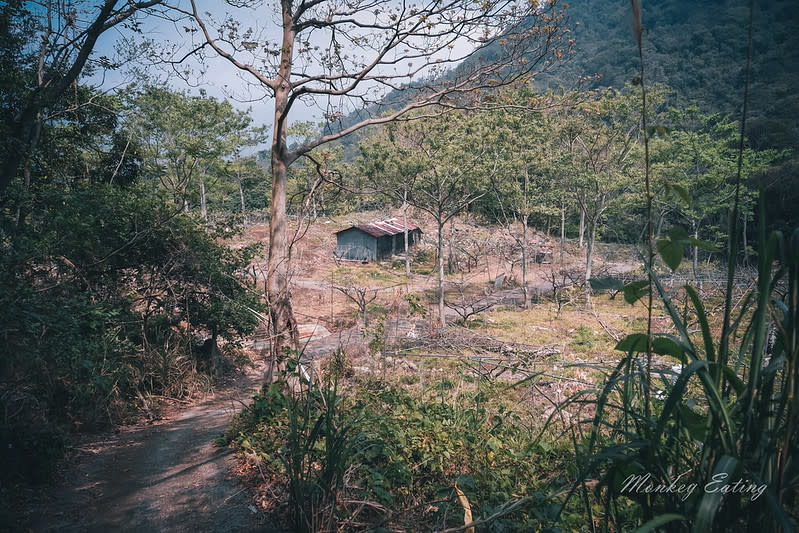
[361, 296]
[467, 305]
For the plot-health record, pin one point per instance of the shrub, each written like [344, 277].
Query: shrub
[105, 292]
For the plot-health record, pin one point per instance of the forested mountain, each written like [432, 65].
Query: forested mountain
[697, 49]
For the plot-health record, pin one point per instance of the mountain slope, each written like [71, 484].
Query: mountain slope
[698, 49]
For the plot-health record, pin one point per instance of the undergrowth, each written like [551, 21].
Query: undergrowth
[380, 456]
[715, 451]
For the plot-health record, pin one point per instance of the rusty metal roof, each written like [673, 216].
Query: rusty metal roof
[391, 226]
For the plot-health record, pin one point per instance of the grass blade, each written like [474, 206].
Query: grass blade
[706, 514]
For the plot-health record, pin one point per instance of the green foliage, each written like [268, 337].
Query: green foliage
[182, 140]
[710, 425]
[109, 292]
[105, 292]
[672, 248]
[400, 448]
[320, 446]
[692, 165]
[438, 165]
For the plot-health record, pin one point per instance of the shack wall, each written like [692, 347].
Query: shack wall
[356, 245]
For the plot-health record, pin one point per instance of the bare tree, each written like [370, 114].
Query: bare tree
[361, 296]
[469, 302]
[347, 54]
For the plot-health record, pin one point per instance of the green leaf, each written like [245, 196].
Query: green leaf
[702, 244]
[661, 345]
[676, 396]
[635, 342]
[672, 248]
[733, 379]
[666, 345]
[678, 234]
[707, 337]
[705, 515]
[635, 291]
[671, 251]
[695, 423]
[679, 192]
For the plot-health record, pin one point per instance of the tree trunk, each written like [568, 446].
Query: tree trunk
[441, 316]
[241, 187]
[562, 231]
[405, 223]
[745, 243]
[582, 226]
[241, 198]
[27, 170]
[695, 258]
[450, 257]
[589, 251]
[36, 134]
[283, 324]
[524, 217]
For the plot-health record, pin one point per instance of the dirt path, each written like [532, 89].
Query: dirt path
[167, 476]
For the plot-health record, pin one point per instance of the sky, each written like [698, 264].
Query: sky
[218, 78]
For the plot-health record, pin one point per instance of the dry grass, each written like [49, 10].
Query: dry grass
[581, 333]
[582, 330]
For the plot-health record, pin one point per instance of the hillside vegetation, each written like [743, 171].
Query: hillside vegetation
[598, 330]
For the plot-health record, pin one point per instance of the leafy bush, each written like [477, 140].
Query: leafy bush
[104, 293]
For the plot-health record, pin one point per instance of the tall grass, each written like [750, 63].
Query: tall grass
[321, 444]
[718, 450]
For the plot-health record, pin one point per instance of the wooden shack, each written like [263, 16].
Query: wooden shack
[375, 241]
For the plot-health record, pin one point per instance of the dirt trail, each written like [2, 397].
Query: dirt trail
[167, 476]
